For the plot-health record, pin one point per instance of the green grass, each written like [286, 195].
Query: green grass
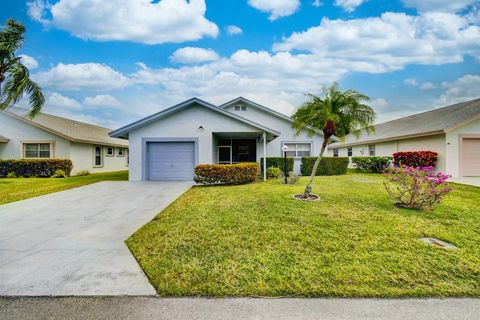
[23, 188]
[254, 240]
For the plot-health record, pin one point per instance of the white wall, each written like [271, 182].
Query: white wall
[452, 147]
[82, 156]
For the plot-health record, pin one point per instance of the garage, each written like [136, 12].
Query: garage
[170, 160]
[471, 157]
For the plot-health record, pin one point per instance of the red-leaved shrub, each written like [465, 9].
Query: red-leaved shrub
[415, 159]
[240, 173]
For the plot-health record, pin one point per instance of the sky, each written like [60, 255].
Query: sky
[114, 62]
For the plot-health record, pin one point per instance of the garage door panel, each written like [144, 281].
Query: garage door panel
[471, 157]
[171, 160]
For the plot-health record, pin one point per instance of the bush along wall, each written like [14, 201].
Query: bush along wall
[372, 164]
[34, 168]
[415, 159]
[211, 174]
[329, 166]
[277, 162]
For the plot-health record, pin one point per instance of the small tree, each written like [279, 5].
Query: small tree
[337, 113]
[14, 76]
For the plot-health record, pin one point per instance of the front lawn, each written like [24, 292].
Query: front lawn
[254, 240]
[23, 188]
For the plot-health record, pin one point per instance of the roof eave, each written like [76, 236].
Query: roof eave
[362, 142]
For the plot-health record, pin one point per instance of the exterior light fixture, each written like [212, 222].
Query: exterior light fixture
[285, 149]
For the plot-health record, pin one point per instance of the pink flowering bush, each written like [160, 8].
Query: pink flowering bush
[418, 188]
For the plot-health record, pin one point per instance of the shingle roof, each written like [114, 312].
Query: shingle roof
[69, 129]
[3, 139]
[435, 121]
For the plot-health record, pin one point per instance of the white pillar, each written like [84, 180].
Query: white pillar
[264, 156]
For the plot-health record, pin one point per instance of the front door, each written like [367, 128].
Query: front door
[225, 154]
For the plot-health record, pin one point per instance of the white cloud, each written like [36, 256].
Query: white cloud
[438, 5]
[423, 86]
[463, 89]
[29, 62]
[144, 21]
[233, 30]
[349, 5]
[317, 3]
[411, 82]
[83, 76]
[276, 8]
[427, 86]
[379, 104]
[391, 41]
[193, 55]
[57, 101]
[101, 100]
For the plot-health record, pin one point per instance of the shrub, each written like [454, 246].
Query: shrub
[418, 188]
[11, 175]
[277, 162]
[292, 178]
[372, 164]
[59, 174]
[329, 166]
[415, 159]
[82, 173]
[209, 174]
[273, 172]
[34, 168]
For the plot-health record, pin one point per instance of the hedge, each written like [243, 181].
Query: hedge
[415, 158]
[34, 168]
[372, 164]
[277, 162]
[329, 166]
[210, 174]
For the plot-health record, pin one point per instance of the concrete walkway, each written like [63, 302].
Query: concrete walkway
[72, 242]
[471, 181]
[140, 308]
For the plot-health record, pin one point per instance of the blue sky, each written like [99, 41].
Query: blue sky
[112, 62]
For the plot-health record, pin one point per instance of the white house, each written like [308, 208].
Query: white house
[45, 136]
[168, 144]
[453, 132]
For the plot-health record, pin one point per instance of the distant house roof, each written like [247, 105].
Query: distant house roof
[123, 132]
[69, 129]
[432, 122]
[3, 139]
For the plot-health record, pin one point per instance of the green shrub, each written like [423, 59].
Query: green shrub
[210, 174]
[372, 164]
[59, 174]
[34, 168]
[292, 178]
[329, 166]
[273, 172]
[82, 173]
[277, 162]
[11, 175]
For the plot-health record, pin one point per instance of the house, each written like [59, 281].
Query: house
[168, 144]
[453, 132]
[50, 137]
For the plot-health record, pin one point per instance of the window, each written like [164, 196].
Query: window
[371, 150]
[120, 152]
[37, 150]
[350, 151]
[298, 149]
[127, 157]
[237, 108]
[335, 152]
[244, 108]
[110, 151]
[98, 156]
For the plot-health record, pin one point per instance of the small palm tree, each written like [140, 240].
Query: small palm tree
[337, 113]
[14, 76]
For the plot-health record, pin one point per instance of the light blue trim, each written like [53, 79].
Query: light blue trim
[292, 142]
[155, 139]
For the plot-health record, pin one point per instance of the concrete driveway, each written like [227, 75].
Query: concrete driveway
[72, 242]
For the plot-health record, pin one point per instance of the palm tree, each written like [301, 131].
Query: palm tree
[337, 113]
[14, 76]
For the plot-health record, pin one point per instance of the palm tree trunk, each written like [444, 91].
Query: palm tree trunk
[308, 188]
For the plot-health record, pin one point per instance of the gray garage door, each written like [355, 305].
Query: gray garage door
[170, 160]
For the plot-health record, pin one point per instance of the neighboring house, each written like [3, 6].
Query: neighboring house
[168, 144]
[51, 137]
[453, 132]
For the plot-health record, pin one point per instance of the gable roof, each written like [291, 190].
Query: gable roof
[437, 121]
[123, 132]
[3, 139]
[66, 128]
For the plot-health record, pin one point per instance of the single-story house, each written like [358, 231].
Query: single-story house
[46, 136]
[167, 145]
[453, 132]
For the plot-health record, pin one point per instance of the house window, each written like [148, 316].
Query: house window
[110, 151]
[350, 151]
[335, 152]
[244, 108]
[127, 157]
[371, 150]
[298, 149]
[37, 150]
[98, 156]
[238, 108]
[120, 152]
